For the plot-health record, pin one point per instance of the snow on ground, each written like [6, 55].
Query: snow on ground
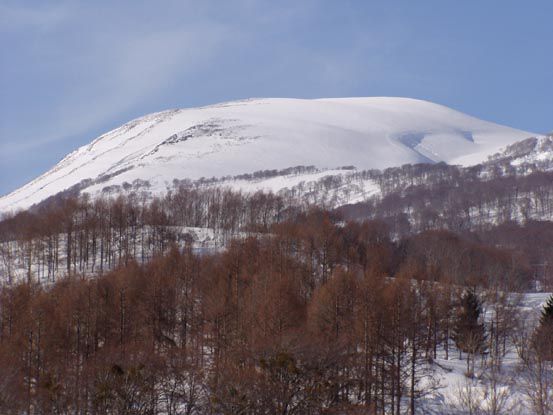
[455, 389]
[15, 266]
[318, 187]
[252, 135]
[275, 184]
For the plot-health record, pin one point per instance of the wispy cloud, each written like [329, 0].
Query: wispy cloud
[40, 17]
[106, 72]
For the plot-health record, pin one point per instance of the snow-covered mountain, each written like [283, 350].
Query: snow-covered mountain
[259, 134]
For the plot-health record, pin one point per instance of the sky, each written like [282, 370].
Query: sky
[72, 70]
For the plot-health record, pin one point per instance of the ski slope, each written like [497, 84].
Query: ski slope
[259, 134]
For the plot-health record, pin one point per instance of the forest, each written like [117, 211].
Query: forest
[107, 306]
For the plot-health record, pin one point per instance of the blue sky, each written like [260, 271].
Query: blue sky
[71, 70]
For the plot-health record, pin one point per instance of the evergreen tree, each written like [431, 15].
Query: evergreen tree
[544, 334]
[547, 313]
[468, 333]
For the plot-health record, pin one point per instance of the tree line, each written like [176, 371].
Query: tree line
[81, 235]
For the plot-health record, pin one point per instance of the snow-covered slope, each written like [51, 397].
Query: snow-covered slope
[526, 156]
[259, 134]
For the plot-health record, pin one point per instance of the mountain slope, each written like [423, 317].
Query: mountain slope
[251, 135]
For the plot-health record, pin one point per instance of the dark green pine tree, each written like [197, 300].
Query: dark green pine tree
[544, 334]
[547, 312]
[468, 333]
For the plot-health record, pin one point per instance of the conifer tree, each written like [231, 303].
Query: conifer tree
[544, 333]
[468, 333]
[547, 313]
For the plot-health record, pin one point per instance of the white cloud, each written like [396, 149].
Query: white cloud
[107, 71]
